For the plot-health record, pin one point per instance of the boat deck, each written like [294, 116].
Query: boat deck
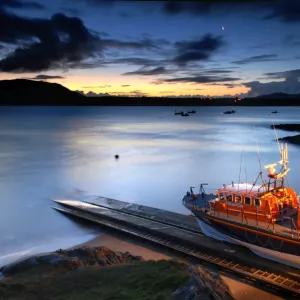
[285, 227]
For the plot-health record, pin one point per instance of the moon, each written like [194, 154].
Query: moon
[223, 28]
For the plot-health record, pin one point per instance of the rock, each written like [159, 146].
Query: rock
[292, 139]
[102, 262]
[202, 285]
[287, 127]
[65, 260]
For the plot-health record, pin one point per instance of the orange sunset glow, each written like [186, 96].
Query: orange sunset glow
[118, 86]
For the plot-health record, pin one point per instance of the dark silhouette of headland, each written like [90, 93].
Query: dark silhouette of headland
[294, 139]
[30, 92]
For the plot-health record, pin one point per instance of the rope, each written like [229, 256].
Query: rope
[258, 153]
[252, 242]
[263, 244]
[274, 247]
[276, 138]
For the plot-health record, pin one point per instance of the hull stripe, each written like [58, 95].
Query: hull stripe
[255, 231]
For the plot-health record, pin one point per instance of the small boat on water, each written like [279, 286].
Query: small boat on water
[184, 114]
[177, 112]
[264, 217]
[228, 112]
[191, 112]
[275, 112]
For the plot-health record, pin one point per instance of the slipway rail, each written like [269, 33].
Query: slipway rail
[276, 281]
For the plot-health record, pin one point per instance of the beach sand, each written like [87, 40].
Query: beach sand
[116, 242]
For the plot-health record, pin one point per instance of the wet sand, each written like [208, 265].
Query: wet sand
[240, 290]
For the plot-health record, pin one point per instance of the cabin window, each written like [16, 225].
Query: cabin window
[229, 198]
[222, 197]
[238, 199]
[247, 200]
[257, 202]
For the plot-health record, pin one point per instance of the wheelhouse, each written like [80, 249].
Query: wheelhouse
[254, 201]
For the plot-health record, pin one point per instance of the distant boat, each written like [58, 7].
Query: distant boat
[184, 114]
[228, 112]
[275, 112]
[178, 113]
[192, 112]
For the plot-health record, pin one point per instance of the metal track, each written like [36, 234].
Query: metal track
[278, 281]
[148, 218]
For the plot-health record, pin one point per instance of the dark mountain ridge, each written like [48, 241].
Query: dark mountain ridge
[31, 92]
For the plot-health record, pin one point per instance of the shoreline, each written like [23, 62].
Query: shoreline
[120, 243]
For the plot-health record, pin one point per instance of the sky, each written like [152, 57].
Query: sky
[154, 48]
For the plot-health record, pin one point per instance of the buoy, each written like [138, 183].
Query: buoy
[116, 156]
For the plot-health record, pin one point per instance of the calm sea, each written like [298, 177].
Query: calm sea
[68, 153]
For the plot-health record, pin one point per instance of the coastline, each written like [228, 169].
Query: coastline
[116, 242]
[149, 252]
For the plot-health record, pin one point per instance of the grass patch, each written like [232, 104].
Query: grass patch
[153, 280]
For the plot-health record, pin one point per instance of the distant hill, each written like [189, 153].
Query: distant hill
[275, 99]
[31, 92]
[278, 96]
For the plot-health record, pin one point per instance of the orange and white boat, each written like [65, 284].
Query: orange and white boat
[263, 217]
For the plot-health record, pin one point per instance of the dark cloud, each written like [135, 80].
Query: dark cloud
[137, 61]
[283, 10]
[58, 42]
[288, 86]
[46, 77]
[197, 50]
[179, 53]
[205, 8]
[285, 74]
[147, 72]
[256, 59]
[103, 3]
[19, 4]
[217, 71]
[198, 79]
[94, 63]
[142, 44]
[229, 85]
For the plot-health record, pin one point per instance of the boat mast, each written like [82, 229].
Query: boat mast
[284, 169]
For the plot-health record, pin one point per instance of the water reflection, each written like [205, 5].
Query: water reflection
[54, 152]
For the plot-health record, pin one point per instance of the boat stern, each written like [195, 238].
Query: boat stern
[198, 201]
